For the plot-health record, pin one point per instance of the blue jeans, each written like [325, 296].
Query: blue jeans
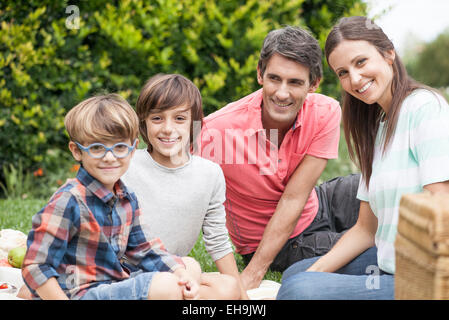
[361, 279]
[136, 287]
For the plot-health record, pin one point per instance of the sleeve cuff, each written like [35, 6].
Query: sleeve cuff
[36, 275]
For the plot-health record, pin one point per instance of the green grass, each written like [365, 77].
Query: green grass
[17, 214]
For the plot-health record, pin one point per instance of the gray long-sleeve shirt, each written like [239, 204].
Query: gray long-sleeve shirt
[177, 203]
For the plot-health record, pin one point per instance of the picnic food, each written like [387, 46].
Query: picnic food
[10, 239]
[15, 256]
[6, 287]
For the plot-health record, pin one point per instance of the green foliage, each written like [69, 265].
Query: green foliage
[431, 64]
[341, 166]
[46, 67]
[319, 17]
[17, 181]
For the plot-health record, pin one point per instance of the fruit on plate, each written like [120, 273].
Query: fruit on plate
[5, 263]
[7, 288]
[15, 256]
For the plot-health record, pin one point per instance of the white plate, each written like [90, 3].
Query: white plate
[267, 290]
[11, 276]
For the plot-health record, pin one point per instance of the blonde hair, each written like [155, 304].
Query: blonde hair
[105, 118]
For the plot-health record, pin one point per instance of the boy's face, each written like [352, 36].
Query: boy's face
[107, 169]
[168, 132]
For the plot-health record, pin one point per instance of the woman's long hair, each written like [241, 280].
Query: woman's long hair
[360, 120]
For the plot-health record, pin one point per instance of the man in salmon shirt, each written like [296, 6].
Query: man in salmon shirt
[272, 146]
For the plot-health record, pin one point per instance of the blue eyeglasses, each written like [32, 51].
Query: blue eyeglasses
[98, 150]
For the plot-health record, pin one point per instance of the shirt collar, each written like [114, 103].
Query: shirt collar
[98, 189]
[255, 106]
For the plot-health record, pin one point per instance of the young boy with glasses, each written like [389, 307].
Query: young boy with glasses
[79, 240]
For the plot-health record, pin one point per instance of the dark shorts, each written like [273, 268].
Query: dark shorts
[338, 211]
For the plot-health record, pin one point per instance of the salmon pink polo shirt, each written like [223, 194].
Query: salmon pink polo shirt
[256, 171]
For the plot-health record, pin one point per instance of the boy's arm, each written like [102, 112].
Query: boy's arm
[227, 265]
[51, 290]
[47, 241]
[216, 235]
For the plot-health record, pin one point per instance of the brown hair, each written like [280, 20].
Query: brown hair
[361, 121]
[102, 118]
[165, 91]
[296, 44]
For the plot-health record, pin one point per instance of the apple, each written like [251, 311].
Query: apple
[15, 256]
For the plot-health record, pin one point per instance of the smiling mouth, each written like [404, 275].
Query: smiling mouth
[282, 105]
[365, 87]
[169, 140]
[109, 168]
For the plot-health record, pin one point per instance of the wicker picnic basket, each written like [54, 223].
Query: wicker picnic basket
[422, 247]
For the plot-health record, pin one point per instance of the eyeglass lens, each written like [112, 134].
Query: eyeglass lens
[119, 151]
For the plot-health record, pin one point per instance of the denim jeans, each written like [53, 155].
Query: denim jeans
[361, 279]
[338, 211]
[136, 287]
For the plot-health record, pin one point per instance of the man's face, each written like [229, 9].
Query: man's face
[285, 87]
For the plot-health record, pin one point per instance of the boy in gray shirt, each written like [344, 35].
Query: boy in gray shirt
[180, 194]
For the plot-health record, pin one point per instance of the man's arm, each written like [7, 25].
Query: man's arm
[284, 219]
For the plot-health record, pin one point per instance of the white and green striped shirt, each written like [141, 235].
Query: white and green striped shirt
[417, 155]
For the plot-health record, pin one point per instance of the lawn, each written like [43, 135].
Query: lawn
[17, 213]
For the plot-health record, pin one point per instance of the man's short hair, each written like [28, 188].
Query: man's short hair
[296, 44]
[102, 118]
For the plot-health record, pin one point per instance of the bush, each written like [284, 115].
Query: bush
[47, 66]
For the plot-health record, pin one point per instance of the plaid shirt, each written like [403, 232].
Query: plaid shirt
[82, 235]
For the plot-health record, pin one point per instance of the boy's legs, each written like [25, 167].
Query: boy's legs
[213, 286]
[218, 286]
[140, 286]
[164, 286]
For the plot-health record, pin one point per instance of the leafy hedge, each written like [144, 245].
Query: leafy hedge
[46, 67]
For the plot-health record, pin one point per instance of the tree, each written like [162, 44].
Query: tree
[53, 54]
[431, 64]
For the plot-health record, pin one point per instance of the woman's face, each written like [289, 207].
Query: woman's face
[363, 72]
